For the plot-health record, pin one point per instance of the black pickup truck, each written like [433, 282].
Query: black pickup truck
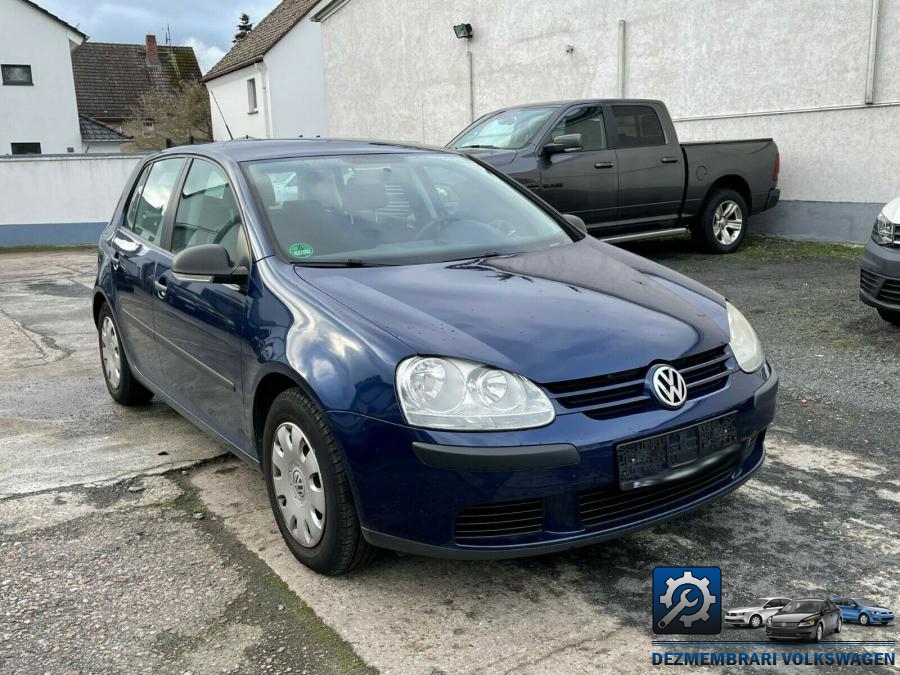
[618, 165]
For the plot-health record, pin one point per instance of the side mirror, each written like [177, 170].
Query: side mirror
[209, 263]
[576, 222]
[564, 143]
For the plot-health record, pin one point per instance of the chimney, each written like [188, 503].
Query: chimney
[152, 51]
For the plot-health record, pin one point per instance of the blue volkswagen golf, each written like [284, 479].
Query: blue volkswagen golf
[419, 353]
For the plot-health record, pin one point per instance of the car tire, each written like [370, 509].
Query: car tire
[840, 625]
[309, 490]
[715, 226]
[120, 381]
[756, 621]
[864, 619]
[889, 316]
[820, 632]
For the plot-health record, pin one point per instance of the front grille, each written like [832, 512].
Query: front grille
[608, 505]
[879, 287]
[501, 519]
[621, 393]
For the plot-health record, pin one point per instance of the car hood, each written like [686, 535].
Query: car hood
[874, 607]
[793, 618]
[494, 157]
[574, 311]
[746, 609]
[891, 210]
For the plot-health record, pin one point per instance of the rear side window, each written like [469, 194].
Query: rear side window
[207, 211]
[638, 125]
[147, 209]
[587, 121]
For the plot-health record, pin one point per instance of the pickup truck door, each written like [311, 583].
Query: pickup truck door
[651, 166]
[583, 182]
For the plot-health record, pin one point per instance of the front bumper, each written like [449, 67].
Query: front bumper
[880, 276]
[881, 618]
[413, 486]
[737, 620]
[788, 633]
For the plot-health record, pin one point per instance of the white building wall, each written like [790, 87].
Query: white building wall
[297, 82]
[230, 91]
[45, 113]
[394, 69]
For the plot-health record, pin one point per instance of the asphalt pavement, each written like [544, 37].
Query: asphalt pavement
[130, 541]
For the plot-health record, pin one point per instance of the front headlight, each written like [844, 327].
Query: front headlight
[807, 623]
[769, 621]
[445, 393]
[884, 231]
[746, 346]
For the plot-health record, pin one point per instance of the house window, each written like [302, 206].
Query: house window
[25, 148]
[147, 128]
[16, 74]
[251, 94]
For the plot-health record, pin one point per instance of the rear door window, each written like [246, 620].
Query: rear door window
[153, 200]
[638, 125]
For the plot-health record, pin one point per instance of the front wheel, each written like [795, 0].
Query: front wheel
[820, 633]
[755, 621]
[864, 619]
[722, 224]
[308, 487]
[889, 316]
[840, 625]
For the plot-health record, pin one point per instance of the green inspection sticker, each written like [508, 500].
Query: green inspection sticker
[300, 250]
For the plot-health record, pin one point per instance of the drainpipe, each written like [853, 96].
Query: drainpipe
[873, 48]
[620, 74]
[471, 81]
[264, 85]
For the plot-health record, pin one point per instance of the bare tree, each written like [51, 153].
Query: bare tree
[178, 117]
[244, 27]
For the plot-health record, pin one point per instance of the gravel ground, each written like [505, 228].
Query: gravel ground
[106, 566]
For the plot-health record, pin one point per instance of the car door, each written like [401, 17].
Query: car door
[136, 253]
[200, 325]
[583, 182]
[832, 613]
[651, 167]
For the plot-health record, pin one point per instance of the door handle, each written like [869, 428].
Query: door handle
[670, 160]
[114, 263]
[604, 165]
[161, 287]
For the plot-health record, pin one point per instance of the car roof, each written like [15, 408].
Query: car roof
[249, 149]
[807, 600]
[581, 101]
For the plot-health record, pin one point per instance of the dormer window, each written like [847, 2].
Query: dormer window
[16, 74]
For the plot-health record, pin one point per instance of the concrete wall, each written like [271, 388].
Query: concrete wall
[395, 70]
[290, 90]
[44, 113]
[62, 199]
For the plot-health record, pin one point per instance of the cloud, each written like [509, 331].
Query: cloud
[207, 55]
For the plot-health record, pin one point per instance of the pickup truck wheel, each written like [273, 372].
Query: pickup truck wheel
[723, 222]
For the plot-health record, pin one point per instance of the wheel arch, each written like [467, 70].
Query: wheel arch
[277, 378]
[97, 302]
[734, 182]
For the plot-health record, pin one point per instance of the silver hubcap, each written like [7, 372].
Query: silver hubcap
[755, 621]
[299, 489]
[864, 619]
[819, 632]
[728, 221]
[109, 351]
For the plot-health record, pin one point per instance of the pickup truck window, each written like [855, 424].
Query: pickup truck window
[510, 129]
[638, 126]
[587, 121]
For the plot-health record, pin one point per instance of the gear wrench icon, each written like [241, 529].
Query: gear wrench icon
[701, 584]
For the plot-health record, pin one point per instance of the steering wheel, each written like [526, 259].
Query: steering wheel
[434, 224]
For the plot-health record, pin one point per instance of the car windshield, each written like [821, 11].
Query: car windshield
[865, 602]
[758, 602]
[398, 208]
[510, 129]
[801, 607]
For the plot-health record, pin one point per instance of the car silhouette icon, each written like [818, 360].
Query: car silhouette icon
[863, 610]
[754, 613]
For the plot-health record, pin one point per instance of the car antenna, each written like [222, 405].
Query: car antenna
[215, 100]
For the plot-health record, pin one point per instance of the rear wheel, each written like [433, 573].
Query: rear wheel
[889, 316]
[722, 224]
[120, 381]
[308, 487]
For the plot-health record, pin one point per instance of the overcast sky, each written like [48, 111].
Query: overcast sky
[206, 25]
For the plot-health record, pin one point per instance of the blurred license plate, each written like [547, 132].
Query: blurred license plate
[658, 454]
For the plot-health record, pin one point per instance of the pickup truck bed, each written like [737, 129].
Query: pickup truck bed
[618, 165]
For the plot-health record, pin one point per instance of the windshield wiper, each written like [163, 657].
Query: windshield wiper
[349, 262]
[477, 145]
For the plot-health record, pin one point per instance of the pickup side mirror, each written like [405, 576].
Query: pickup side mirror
[564, 143]
[575, 221]
[209, 263]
